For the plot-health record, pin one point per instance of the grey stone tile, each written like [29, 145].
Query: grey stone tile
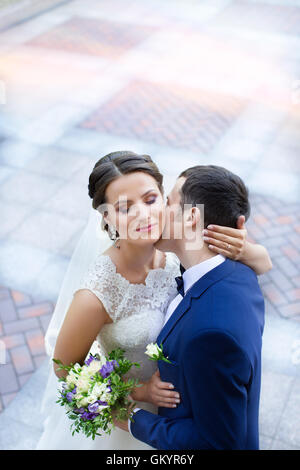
[49, 280]
[257, 130]
[5, 173]
[240, 149]
[71, 200]
[46, 230]
[12, 214]
[17, 436]
[85, 141]
[8, 379]
[8, 311]
[285, 185]
[21, 264]
[26, 405]
[11, 124]
[70, 246]
[289, 427]
[281, 445]
[285, 265]
[278, 338]
[26, 187]
[173, 161]
[275, 389]
[20, 325]
[242, 169]
[52, 125]
[16, 153]
[57, 162]
[265, 442]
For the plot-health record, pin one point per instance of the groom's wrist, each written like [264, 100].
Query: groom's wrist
[132, 415]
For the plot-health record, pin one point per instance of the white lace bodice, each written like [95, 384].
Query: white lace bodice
[137, 310]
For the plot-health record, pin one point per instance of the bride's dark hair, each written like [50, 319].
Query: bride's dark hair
[114, 165]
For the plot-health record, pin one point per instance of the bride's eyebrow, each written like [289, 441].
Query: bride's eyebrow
[129, 200]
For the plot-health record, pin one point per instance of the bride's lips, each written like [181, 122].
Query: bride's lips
[145, 229]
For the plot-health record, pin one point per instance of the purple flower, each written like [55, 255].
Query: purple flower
[79, 410]
[108, 367]
[69, 396]
[90, 359]
[88, 416]
[103, 403]
[93, 407]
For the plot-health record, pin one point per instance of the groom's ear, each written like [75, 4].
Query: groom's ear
[194, 217]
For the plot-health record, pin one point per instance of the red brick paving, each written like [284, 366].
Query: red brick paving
[275, 225]
[167, 115]
[95, 37]
[22, 331]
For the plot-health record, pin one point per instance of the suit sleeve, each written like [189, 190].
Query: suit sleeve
[217, 373]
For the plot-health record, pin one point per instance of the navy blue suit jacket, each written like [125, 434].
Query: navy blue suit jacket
[213, 339]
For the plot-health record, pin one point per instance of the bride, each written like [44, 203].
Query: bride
[116, 292]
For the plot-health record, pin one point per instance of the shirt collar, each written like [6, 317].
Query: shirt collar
[194, 273]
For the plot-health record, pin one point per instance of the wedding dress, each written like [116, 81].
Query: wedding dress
[137, 312]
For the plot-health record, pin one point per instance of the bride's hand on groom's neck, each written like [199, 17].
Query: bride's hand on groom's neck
[227, 241]
[232, 243]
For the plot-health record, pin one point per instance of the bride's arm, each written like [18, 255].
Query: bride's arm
[232, 243]
[84, 319]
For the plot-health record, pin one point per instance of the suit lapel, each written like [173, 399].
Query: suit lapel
[195, 291]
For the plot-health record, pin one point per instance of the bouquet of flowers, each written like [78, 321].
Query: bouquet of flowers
[96, 392]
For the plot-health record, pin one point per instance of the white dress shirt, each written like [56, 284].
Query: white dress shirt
[190, 276]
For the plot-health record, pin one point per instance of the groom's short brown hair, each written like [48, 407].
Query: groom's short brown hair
[224, 194]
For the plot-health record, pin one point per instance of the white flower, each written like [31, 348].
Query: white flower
[152, 350]
[99, 389]
[94, 367]
[72, 378]
[102, 407]
[83, 384]
[105, 396]
[82, 401]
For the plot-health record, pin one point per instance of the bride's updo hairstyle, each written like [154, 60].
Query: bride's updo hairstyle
[114, 165]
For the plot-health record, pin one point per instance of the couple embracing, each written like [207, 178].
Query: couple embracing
[178, 273]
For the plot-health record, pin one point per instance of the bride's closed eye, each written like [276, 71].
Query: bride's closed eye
[125, 209]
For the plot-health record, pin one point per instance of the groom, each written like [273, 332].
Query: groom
[213, 328]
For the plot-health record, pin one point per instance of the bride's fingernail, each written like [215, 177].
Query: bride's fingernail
[171, 386]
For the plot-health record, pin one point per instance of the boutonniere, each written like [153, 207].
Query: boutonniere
[155, 352]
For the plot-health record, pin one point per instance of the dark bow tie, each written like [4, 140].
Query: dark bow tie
[180, 285]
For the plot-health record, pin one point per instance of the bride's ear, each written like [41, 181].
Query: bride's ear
[104, 220]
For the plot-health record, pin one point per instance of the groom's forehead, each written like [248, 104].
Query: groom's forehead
[174, 195]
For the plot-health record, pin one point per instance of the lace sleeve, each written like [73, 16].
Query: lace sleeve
[101, 281]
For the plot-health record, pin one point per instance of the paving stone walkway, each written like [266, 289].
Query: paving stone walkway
[187, 82]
